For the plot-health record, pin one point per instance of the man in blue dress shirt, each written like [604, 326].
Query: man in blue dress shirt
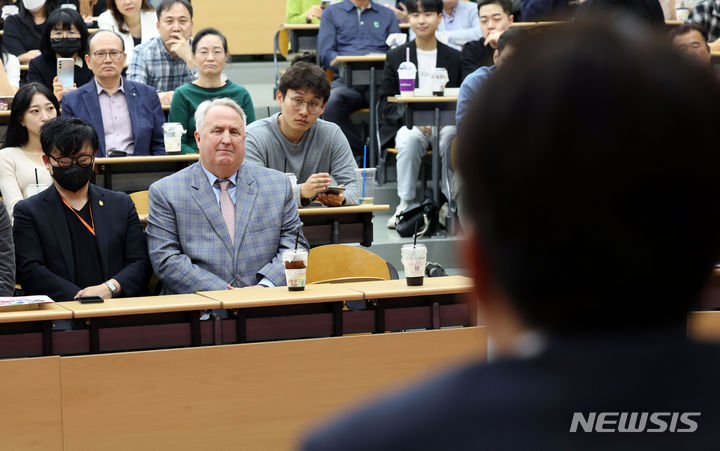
[352, 27]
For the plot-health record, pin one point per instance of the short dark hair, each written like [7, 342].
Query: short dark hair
[118, 16]
[16, 134]
[506, 5]
[510, 37]
[67, 17]
[95, 33]
[209, 31]
[167, 4]
[594, 207]
[67, 135]
[414, 6]
[687, 27]
[305, 75]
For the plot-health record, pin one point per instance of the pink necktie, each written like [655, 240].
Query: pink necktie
[228, 208]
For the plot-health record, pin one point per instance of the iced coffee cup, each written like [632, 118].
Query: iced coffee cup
[295, 262]
[413, 258]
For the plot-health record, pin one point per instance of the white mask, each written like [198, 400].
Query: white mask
[33, 5]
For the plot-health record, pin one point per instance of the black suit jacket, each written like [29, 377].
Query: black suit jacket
[392, 120]
[42, 244]
[523, 404]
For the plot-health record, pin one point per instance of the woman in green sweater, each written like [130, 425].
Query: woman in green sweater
[210, 51]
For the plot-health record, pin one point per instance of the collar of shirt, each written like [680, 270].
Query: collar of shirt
[79, 62]
[450, 17]
[348, 5]
[100, 89]
[212, 178]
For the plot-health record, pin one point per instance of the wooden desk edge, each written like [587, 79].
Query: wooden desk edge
[57, 311]
[356, 59]
[366, 208]
[148, 159]
[299, 26]
[423, 99]
[142, 309]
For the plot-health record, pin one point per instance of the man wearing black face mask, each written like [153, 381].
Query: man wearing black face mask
[64, 36]
[76, 239]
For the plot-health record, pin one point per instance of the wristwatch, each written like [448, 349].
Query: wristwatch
[112, 287]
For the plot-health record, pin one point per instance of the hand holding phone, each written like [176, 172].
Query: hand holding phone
[66, 72]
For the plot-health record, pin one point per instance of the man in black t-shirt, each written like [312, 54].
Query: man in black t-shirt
[495, 17]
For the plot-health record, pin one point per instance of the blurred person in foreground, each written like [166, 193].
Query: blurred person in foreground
[595, 227]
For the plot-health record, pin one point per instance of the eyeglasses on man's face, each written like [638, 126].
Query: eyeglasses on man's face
[82, 160]
[113, 54]
[312, 107]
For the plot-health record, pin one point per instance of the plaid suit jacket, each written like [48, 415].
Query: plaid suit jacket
[189, 244]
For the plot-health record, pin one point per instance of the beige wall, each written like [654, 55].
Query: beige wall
[248, 25]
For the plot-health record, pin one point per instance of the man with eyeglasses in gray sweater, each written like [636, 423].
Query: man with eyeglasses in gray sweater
[296, 141]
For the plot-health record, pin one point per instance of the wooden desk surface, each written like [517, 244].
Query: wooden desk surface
[357, 59]
[399, 288]
[254, 396]
[427, 99]
[265, 297]
[704, 326]
[31, 395]
[45, 312]
[300, 26]
[136, 306]
[366, 208]
[148, 159]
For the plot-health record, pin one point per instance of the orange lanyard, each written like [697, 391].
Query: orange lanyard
[92, 220]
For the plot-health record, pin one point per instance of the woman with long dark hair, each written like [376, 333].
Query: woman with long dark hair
[21, 155]
[22, 31]
[134, 20]
[64, 36]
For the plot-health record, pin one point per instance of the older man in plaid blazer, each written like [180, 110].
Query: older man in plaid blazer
[221, 223]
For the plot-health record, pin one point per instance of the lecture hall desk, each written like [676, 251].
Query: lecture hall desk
[269, 313]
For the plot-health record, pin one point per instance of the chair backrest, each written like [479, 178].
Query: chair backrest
[140, 198]
[339, 261]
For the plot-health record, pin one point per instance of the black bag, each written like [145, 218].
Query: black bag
[423, 214]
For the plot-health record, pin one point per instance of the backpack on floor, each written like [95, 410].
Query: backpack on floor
[423, 214]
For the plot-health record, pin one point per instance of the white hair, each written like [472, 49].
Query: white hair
[204, 107]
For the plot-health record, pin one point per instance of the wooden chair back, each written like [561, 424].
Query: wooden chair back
[140, 198]
[339, 261]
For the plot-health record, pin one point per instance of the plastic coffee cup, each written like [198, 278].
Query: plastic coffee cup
[34, 188]
[439, 80]
[365, 183]
[413, 257]
[682, 14]
[173, 132]
[406, 77]
[295, 262]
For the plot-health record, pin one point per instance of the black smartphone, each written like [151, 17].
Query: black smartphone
[90, 299]
[333, 190]
[116, 153]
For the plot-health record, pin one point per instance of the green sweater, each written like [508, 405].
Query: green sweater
[187, 98]
[296, 9]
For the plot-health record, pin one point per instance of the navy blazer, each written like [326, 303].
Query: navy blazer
[529, 403]
[146, 115]
[42, 244]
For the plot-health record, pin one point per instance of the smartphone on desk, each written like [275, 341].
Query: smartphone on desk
[66, 72]
[114, 153]
[90, 300]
